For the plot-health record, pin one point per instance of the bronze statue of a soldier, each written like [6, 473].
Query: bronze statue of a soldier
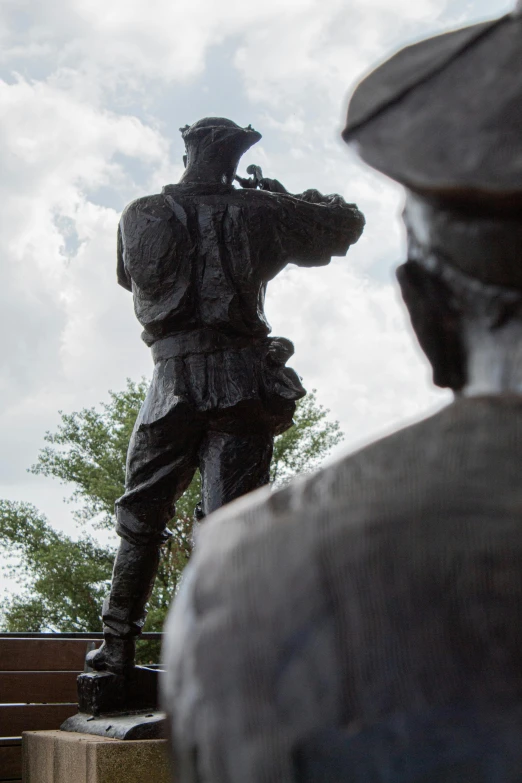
[197, 258]
[365, 623]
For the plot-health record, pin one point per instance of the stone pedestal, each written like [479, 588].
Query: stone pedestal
[66, 757]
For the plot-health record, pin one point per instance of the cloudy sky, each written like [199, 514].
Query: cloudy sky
[92, 94]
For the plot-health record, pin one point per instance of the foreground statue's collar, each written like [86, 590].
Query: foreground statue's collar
[197, 188]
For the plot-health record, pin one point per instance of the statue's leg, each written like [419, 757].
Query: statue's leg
[232, 465]
[123, 609]
[160, 465]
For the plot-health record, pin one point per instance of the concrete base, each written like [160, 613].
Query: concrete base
[66, 757]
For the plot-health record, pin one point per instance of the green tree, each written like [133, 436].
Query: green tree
[62, 579]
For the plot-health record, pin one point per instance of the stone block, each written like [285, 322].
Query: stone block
[68, 757]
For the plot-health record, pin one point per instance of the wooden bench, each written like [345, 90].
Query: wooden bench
[38, 687]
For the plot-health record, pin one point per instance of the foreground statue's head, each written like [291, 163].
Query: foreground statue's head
[443, 118]
[214, 147]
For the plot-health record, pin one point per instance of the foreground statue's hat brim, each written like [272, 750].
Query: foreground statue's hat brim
[444, 116]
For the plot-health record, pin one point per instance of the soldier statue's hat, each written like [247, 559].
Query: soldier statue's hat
[444, 118]
[212, 131]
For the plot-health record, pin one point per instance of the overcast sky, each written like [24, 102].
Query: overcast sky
[92, 94]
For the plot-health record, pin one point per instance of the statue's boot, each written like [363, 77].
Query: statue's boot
[115, 655]
[123, 610]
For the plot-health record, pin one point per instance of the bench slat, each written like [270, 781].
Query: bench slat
[38, 687]
[14, 719]
[11, 761]
[43, 654]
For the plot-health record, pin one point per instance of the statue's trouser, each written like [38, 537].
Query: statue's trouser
[231, 465]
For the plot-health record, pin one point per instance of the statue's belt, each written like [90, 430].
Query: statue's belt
[201, 341]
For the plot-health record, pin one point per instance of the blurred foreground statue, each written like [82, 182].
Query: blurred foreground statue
[365, 624]
[197, 259]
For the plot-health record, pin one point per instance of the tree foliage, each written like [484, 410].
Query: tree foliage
[304, 446]
[88, 452]
[62, 579]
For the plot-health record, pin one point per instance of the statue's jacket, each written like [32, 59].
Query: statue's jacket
[197, 259]
[381, 594]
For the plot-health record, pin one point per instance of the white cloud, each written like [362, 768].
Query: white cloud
[353, 343]
[281, 43]
[58, 302]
